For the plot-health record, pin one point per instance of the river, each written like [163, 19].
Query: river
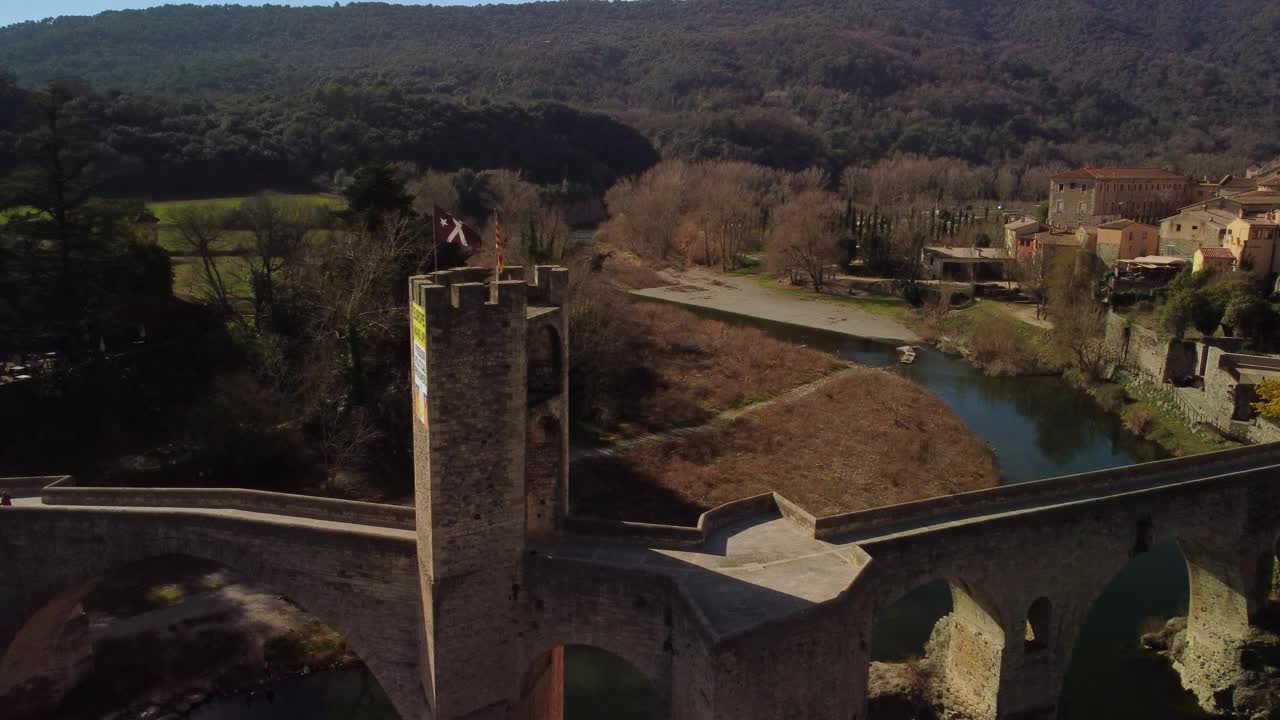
[1038, 427]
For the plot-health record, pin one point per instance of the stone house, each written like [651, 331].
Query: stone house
[963, 264]
[1126, 240]
[1263, 169]
[1213, 258]
[1208, 381]
[1254, 202]
[146, 227]
[1252, 241]
[1226, 187]
[1048, 243]
[1019, 234]
[1092, 195]
[1198, 226]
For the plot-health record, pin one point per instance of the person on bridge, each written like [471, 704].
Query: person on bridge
[5, 500]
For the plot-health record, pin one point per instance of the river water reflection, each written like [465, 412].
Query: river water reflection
[1038, 427]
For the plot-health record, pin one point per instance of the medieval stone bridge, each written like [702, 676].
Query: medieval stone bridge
[459, 605]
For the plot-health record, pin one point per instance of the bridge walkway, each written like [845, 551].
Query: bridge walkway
[767, 568]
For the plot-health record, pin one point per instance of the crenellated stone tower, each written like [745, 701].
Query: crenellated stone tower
[490, 469]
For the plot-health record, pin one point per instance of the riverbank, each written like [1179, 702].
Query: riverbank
[1148, 416]
[862, 438]
[1001, 339]
[870, 317]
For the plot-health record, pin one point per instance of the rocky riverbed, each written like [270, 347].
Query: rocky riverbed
[1254, 691]
[176, 633]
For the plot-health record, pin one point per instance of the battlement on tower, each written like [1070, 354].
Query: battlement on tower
[518, 287]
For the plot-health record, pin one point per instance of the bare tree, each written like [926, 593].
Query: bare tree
[201, 229]
[803, 239]
[355, 320]
[645, 211]
[1078, 314]
[279, 229]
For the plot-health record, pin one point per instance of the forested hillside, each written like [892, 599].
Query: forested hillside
[172, 146]
[789, 83]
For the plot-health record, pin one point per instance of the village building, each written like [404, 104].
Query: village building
[1088, 237]
[1125, 240]
[1205, 224]
[1254, 202]
[1047, 244]
[1263, 169]
[1018, 236]
[1217, 259]
[1252, 241]
[964, 264]
[1200, 226]
[1225, 187]
[146, 227]
[1097, 195]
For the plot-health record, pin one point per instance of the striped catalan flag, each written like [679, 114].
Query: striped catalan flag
[497, 238]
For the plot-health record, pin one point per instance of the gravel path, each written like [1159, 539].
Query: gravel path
[614, 448]
[745, 296]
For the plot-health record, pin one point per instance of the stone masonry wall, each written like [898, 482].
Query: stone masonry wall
[469, 486]
[362, 584]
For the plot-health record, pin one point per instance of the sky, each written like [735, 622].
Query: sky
[16, 11]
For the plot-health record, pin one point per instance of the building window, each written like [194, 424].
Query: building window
[1060, 206]
[1179, 227]
[1193, 227]
[1082, 206]
[1060, 187]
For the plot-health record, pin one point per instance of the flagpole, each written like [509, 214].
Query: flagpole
[497, 244]
[435, 246]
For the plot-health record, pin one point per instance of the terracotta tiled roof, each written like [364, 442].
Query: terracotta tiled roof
[1022, 224]
[1092, 173]
[1220, 253]
[1057, 238]
[1257, 197]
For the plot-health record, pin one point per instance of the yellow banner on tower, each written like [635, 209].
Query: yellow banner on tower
[418, 325]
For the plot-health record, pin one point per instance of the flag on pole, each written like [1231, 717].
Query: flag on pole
[449, 230]
[497, 238]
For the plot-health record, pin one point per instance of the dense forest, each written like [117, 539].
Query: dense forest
[787, 83]
[175, 146]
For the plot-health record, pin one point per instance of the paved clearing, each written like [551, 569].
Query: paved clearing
[745, 296]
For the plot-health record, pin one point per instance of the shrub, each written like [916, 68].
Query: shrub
[1139, 421]
[1110, 397]
[996, 347]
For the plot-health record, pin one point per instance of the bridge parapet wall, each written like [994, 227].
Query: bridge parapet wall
[681, 536]
[64, 492]
[1012, 497]
[23, 487]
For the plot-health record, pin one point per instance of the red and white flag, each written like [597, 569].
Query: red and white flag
[449, 230]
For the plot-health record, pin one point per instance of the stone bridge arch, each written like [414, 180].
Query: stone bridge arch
[633, 616]
[362, 585]
[964, 653]
[1068, 554]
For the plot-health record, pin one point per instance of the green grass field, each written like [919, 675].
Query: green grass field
[7, 213]
[167, 210]
[187, 276]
